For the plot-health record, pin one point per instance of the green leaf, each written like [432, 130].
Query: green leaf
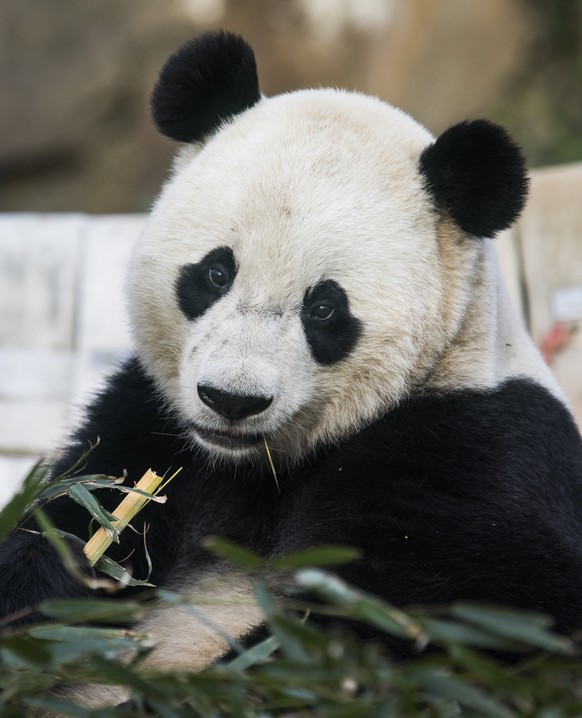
[15, 508]
[175, 599]
[223, 548]
[86, 499]
[528, 628]
[60, 486]
[58, 706]
[389, 619]
[60, 545]
[388, 708]
[93, 611]
[466, 695]
[81, 460]
[26, 650]
[265, 599]
[488, 671]
[359, 605]
[257, 654]
[70, 643]
[297, 639]
[445, 632]
[317, 556]
[115, 570]
[328, 586]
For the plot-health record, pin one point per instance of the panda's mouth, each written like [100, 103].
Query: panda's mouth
[228, 440]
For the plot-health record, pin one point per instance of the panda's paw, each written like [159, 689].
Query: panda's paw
[93, 695]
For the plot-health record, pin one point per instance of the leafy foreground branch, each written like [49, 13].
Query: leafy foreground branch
[300, 669]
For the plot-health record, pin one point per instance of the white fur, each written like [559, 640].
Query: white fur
[223, 604]
[314, 185]
[220, 603]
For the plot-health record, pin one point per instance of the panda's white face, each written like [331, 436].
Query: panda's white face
[287, 287]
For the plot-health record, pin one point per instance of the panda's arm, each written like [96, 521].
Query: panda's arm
[133, 433]
[471, 496]
[31, 572]
[130, 428]
[434, 551]
[136, 432]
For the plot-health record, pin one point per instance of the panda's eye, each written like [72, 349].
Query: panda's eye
[321, 311]
[218, 275]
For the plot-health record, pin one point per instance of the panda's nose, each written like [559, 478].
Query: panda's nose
[232, 406]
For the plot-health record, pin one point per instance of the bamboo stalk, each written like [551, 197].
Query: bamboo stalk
[272, 465]
[131, 505]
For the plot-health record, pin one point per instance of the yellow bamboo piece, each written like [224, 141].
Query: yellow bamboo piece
[272, 465]
[131, 505]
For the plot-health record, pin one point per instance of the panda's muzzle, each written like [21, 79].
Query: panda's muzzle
[226, 440]
[232, 406]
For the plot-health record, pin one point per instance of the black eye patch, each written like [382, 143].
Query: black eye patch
[330, 328]
[200, 285]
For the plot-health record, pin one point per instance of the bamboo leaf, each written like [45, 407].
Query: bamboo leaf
[115, 570]
[81, 460]
[359, 605]
[12, 512]
[223, 548]
[57, 539]
[265, 599]
[446, 632]
[92, 611]
[466, 695]
[57, 706]
[60, 487]
[257, 654]
[529, 629]
[317, 556]
[489, 672]
[328, 586]
[69, 643]
[26, 650]
[85, 498]
[297, 639]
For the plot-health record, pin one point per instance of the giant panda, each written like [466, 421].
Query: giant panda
[318, 273]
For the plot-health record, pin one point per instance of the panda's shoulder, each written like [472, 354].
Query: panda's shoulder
[515, 434]
[127, 426]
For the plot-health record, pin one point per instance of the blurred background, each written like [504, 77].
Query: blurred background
[75, 78]
[80, 161]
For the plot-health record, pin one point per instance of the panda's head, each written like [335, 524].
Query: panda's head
[310, 261]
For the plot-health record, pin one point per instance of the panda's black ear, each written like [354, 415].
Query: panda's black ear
[207, 81]
[477, 175]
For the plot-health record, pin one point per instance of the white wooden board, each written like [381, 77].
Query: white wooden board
[62, 319]
[13, 469]
[38, 277]
[551, 247]
[101, 329]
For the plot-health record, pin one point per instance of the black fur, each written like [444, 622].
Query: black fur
[233, 406]
[330, 339]
[195, 289]
[473, 495]
[477, 175]
[207, 81]
[41, 577]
